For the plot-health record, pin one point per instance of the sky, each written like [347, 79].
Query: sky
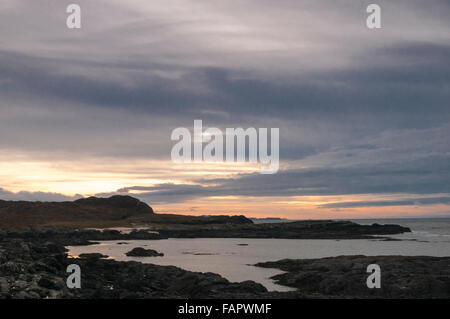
[364, 114]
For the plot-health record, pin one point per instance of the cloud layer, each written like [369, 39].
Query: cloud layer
[360, 111]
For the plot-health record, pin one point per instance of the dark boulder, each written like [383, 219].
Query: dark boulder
[92, 256]
[142, 252]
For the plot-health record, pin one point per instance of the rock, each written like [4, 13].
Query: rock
[48, 283]
[73, 237]
[142, 252]
[345, 276]
[92, 256]
[33, 264]
[30, 272]
[311, 229]
[4, 285]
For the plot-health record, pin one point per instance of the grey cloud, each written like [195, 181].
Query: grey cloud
[428, 176]
[164, 193]
[367, 112]
[370, 91]
[408, 202]
[35, 196]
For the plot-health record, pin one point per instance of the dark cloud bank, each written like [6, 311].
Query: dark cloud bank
[378, 125]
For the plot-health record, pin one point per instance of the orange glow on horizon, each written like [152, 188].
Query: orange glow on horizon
[91, 176]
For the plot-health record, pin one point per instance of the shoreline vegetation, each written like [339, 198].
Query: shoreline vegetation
[33, 257]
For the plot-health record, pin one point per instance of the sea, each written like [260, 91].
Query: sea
[234, 258]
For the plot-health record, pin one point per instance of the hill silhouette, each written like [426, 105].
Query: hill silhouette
[17, 214]
[114, 211]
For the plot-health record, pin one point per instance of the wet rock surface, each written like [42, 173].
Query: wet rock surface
[33, 264]
[311, 229]
[75, 237]
[37, 269]
[142, 252]
[345, 276]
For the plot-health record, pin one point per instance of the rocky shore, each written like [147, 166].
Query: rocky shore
[309, 229]
[37, 269]
[142, 252]
[345, 276]
[73, 237]
[126, 211]
[318, 229]
[34, 266]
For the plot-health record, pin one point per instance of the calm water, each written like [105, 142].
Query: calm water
[233, 260]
